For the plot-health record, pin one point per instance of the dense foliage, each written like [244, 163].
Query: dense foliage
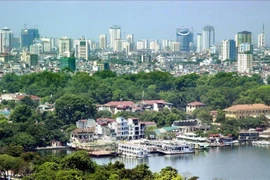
[75, 97]
[77, 166]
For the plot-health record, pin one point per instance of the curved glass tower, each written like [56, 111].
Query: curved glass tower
[185, 37]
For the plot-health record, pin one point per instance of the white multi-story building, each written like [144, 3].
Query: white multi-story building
[228, 50]
[64, 45]
[115, 33]
[126, 46]
[244, 62]
[199, 43]
[36, 48]
[47, 44]
[154, 45]
[6, 37]
[175, 47]
[121, 128]
[164, 44]
[245, 47]
[83, 48]
[118, 45]
[208, 37]
[130, 38]
[134, 128]
[102, 41]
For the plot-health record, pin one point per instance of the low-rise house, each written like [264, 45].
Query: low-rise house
[193, 105]
[120, 127]
[18, 97]
[85, 123]
[155, 105]
[190, 125]
[117, 106]
[83, 135]
[189, 122]
[241, 111]
[45, 107]
[102, 127]
[248, 135]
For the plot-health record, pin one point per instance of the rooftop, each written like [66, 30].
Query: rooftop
[247, 107]
[196, 103]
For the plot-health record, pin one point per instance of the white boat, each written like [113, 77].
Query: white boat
[175, 148]
[134, 150]
[193, 140]
[261, 143]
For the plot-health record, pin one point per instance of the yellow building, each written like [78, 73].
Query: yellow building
[193, 105]
[241, 111]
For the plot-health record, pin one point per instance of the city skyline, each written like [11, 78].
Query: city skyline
[146, 20]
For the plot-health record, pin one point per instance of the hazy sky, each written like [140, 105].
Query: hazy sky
[145, 19]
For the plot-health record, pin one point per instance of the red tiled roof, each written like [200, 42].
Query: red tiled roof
[247, 107]
[116, 103]
[88, 130]
[106, 119]
[196, 103]
[148, 123]
[20, 97]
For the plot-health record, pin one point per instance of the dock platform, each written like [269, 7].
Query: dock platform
[103, 153]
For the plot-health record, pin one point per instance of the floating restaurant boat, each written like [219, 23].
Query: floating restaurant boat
[133, 150]
[193, 140]
[175, 148]
[261, 143]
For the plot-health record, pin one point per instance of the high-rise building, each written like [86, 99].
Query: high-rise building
[6, 38]
[243, 37]
[244, 62]
[118, 45]
[185, 37]
[68, 63]
[64, 45]
[28, 36]
[228, 50]
[142, 44]
[83, 48]
[175, 46]
[208, 37]
[102, 41]
[154, 45]
[126, 46]
[37, 48]
[199, 42]
[130, 38]
[245, 47]
[261, 39]
[115, 33]
[47, 44]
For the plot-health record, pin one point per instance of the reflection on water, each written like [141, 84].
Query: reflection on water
[231, 163]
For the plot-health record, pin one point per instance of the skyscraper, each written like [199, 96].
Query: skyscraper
[64, 45]
[228, 50]
[102, 41]
[28, 36]
[261, 39]
[83, 48]
[199, 42]
[185, 37]
[244, 62]
[6, 38]
[130, 38]
[208, 37]
[115, 33]
[243, 37]
[175, 46]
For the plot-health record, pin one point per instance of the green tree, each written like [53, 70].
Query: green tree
[21, 113]
[8, 163]
[168, 173]
[79, 161]
[71, 108]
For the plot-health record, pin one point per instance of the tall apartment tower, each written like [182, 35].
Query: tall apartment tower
[261, 39]
[244, 62]
[115, 33]
[243, 37]
[83, 48]
[64, 45]
[199, 42]
[228, 50]
[102, 41]
[28, 36]
[185, 37]
[6, 38]
[208, 37]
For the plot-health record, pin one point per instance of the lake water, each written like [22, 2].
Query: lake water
[230, 163]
